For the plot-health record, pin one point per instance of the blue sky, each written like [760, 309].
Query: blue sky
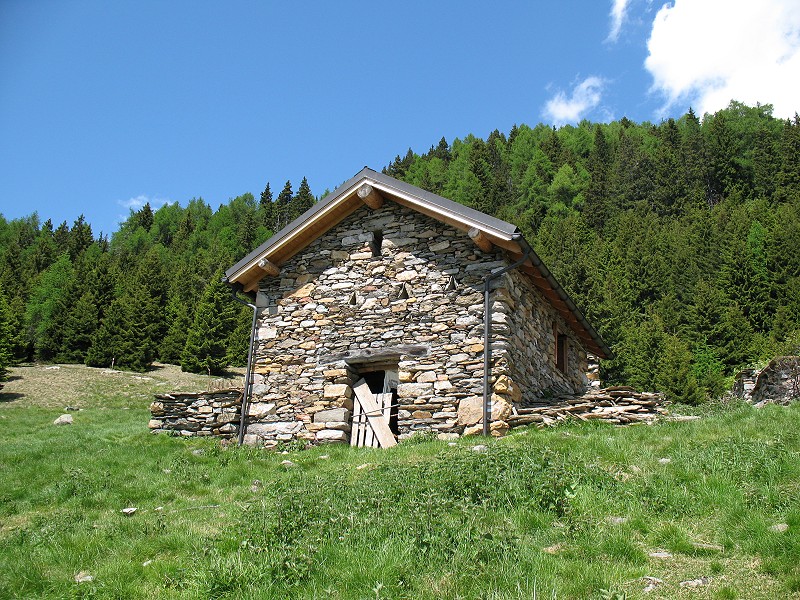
[106, 105]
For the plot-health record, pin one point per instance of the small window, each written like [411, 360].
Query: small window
[377, 242]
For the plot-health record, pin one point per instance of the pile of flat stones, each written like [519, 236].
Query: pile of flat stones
[201, 414]
[621, 405]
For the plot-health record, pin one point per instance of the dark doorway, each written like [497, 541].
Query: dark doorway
[385, 382]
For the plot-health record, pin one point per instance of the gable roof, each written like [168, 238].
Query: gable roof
[349, 197]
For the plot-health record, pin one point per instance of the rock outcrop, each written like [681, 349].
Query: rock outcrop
[777, 383]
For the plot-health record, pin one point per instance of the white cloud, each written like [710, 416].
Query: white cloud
[709, 52]
[585, 96]
[618, 12]
[139, 201]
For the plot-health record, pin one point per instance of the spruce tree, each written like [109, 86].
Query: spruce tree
[597, 208]
[80, 325]
[282, 207]
[80, 238]
[111, 343]
[303, 200]
[788, 184]
[206, 343]
[179, 323]
[266, 208]
[6, 335]
[144, 218]
[47, 306]
[61, 237]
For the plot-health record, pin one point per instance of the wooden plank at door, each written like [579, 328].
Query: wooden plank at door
[374, 411]
[357, 432]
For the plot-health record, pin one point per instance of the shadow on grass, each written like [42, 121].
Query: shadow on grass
[10, 397]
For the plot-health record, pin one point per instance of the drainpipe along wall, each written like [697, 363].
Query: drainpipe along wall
[261, 302]
[487, 333]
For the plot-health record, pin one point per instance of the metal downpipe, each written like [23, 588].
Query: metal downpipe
[247, 376]
[487, 333]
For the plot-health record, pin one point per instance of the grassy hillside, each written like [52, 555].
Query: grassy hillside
[570, 512]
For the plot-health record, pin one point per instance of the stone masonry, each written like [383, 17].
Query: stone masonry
[393, 289]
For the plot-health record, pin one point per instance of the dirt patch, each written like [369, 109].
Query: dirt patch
[79, 386]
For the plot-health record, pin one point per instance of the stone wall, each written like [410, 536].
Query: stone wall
[218, 413]
[529, 324]
[396, 291]
[417, 305]
[202, 414]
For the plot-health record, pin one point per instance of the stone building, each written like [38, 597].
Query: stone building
[376, 303]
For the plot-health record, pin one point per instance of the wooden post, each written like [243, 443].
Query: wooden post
[268, 267]
[370, 196]
[480, 239]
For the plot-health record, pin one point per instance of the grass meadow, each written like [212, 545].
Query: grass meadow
[695, 509]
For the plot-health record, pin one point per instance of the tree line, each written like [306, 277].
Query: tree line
[678, 240]
[153, 292]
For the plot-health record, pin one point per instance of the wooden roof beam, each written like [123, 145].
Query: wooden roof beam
[269, 268]
[370, 196]
[480, 240]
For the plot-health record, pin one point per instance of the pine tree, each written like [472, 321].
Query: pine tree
[266, 208]
[179, 324]
[282, 207]
[47, 306]
[80, 238]
[303, 200]
[6, 335]
[206, 343]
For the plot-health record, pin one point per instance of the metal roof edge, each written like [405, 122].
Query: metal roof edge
[488, 223]
[448, 207]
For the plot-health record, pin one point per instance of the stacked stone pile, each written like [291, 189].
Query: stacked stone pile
[621, 405]
[202, 414]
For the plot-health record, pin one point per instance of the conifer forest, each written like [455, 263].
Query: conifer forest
[680, 242]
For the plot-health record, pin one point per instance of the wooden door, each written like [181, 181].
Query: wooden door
[371, 414]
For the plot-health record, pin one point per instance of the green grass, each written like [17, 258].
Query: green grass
[571, 512]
